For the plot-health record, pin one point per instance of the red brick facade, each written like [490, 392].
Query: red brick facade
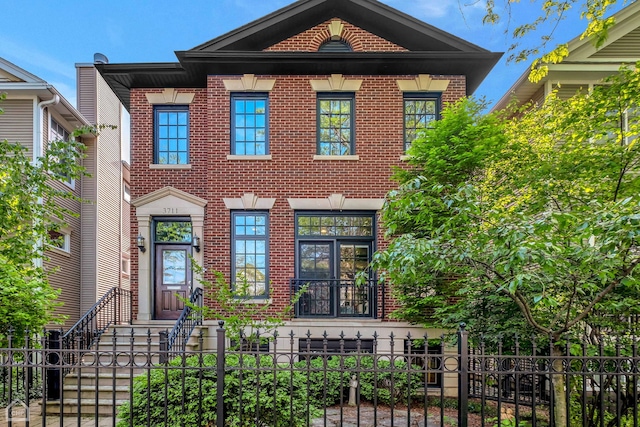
[357, 38]
[292, 171]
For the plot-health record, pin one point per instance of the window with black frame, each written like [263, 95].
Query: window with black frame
[333, 252]
[171, 134]
[250, 249]
[336, 123]
[420, 111]
[249, 124]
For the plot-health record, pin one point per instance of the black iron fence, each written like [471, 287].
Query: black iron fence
[333, 380]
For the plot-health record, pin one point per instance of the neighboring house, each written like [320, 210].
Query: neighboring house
[88, 257]
[585, 66]
[266, 154]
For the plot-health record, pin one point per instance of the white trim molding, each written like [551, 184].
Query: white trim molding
[249, 83]
[336, 202]
[336, 83]
[249, 201]
[167, 201]
[423, 83]
[170, 96]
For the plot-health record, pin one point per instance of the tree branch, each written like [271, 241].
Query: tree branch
[601, 295]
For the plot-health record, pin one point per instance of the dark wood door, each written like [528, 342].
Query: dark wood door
[172, 280]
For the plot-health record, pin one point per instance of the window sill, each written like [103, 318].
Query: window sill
[71, 185]
[405, 157]
[169, 167]
[351, 157]
[59, 251]
[242, 157]
[256, 301]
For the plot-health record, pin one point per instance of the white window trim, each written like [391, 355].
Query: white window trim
[66, 247]
[71, 183]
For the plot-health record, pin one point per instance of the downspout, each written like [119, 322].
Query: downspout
[37, 149]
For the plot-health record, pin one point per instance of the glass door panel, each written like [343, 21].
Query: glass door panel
[354, 299]
[316, 272]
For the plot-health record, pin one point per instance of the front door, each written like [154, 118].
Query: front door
[173, 279]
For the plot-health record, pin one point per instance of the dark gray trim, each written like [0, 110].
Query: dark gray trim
[194, 67]
[161, 108]
[234, 214]
[343, 96]
[411, 96]
[248, 95]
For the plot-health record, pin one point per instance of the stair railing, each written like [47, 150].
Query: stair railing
[114, 308]
[174, 343]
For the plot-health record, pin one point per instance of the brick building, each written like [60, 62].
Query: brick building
[267, 152]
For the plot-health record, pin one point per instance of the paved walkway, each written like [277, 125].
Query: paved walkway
[348, 417]
[35, 420]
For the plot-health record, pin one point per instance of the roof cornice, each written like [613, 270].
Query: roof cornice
[194, 67]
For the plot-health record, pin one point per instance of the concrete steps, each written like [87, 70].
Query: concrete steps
[106, 371]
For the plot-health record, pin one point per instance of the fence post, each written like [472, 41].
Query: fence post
[220, 375]
[52, 362]
[164, 346]
[463, 376]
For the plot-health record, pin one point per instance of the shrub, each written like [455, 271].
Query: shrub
[325, 388]
[254, 394]
[386, 382]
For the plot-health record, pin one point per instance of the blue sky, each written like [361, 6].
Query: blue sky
[47, 38]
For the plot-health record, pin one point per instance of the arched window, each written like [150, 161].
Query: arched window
[335, 46]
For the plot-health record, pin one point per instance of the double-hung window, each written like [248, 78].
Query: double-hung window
[249, 124]
[420, 111]
[171, 134]
[336, 123]
[250, 250]
[58, 133]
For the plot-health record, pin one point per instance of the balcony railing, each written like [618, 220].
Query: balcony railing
[337, 298]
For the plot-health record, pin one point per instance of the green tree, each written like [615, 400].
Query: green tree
[536, 227]
[30, 214]
[543, 26]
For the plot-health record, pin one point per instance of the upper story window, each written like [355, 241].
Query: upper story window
[249, 124]
[58, 133]
[171, 134]
[420, 111]
[336, 124]
[250, 251]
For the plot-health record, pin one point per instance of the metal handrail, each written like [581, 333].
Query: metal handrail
[190, 317]
[337, 298]
[113, 308]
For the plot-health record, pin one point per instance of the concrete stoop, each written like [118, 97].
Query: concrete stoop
[102, 381]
